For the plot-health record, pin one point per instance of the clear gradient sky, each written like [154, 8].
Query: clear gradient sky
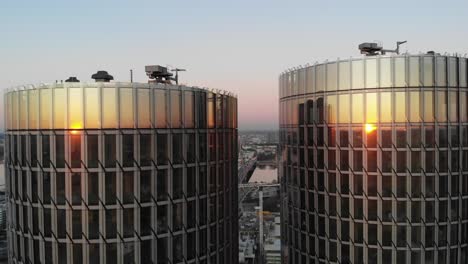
[240, 46]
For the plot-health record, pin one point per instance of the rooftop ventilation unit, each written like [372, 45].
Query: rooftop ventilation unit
[72, 79]
[102, 76]
[373, 49]
[158, 74]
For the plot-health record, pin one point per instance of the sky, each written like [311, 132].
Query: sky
[239, 46]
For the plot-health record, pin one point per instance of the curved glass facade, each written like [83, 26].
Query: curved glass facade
[374, 161]
[121, 173]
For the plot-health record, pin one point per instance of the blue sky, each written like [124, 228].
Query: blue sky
[240, 46]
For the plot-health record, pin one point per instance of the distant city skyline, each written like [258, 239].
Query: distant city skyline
[239, 46]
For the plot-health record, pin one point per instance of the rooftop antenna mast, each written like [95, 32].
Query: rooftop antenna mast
[177, 70]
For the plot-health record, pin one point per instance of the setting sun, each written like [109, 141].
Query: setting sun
[370, 128]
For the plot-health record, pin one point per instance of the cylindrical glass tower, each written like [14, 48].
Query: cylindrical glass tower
[374, 165]
[121, 173]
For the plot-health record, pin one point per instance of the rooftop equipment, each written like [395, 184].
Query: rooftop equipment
[102, 76]
[373, 49]
[72, 79]
[160, 74]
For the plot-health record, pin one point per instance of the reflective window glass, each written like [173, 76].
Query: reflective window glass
[344, 75]
[189, 119]
[160, 108]
[310, 79]
[453, 106]
[46, 103]
[33, 109]
[400, 72]
[462, 72]
[452, 72]
[320, 78]
[371, 108]
[331, 76]
[414, 107]
[400, 107]
[59, 108]
[386, 107]
[385, 72]
[371, 73]
[75, 108]
[428, 113]
[414, 71]
[441, 75]
[109, 108]
[344, 114]
[92, 108]
[175, 109]
[358, 74]
[428, 71]
[442, 106]
[357, 109]
[23, 109]
[463, 107]
[332, 108]
[126, 108]
[144, 108]
[211, 109]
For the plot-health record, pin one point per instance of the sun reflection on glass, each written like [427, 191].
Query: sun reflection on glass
[370, 128]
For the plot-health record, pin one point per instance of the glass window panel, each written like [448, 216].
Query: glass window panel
[59, 108]
[46, 104]
[75, 108]
[126, 107]
[93, 188]
[428, 113]
[414, 71]
[127, 189]
[75, 150]
[211, 110]
[385, 72]
[92, 110]
[127, 150]
[442, 106]
[386, 107]
[428, 71]
[453, 106]
[189, 110]
[357, 108]
[144, 109]
[332, 108]
[109, 108]
[310, 79]
[371, 73]
[331, 76]
[344, 75]
[15, 110]
[462, 72]
[160, 108]
[33, 109]
[441, 76]
[344, 114]
[175, 109]
[23, 109]
[463, 107]
[414, 107]
[452, 72]
[400, 72]
[357, 74]
[109, 151]
[76, 188]
[320, 78]
[400, 107]
[371, 108]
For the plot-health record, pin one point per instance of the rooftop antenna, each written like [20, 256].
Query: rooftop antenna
[177, 70]
[131, 75]
[373, 49]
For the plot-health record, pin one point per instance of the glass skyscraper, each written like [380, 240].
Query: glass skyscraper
[112, 172]
[374, 160]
